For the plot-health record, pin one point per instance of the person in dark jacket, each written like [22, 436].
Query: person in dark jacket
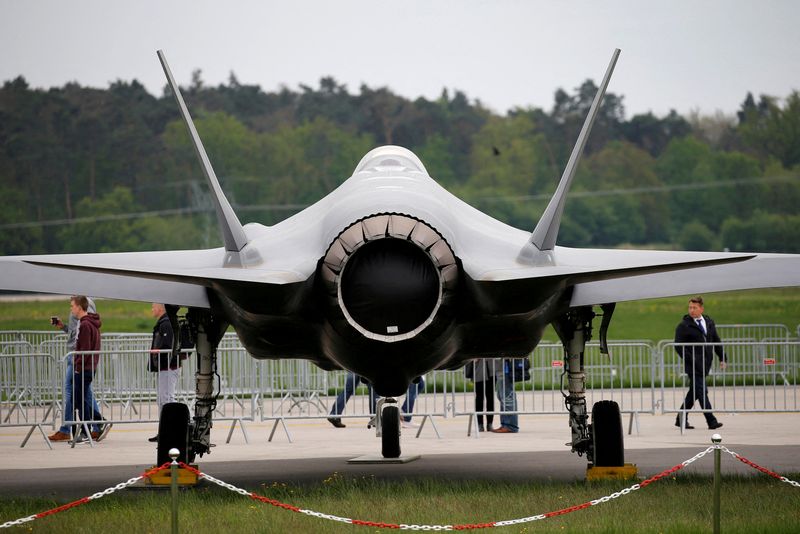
[85, 365]
[164, 358]
[697, 328]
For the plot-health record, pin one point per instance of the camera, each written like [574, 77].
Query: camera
[54, 320]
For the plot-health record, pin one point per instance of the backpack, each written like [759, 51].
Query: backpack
[186, 337]
[520, 369]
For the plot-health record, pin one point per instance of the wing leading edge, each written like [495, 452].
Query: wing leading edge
[23, 276]
[762, 271]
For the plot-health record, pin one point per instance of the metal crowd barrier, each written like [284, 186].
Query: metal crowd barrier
[627, 376]
[762, 376]
[28, 393]
[756, 332]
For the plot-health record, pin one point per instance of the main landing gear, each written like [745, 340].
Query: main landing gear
[602, 440]
[175, 429]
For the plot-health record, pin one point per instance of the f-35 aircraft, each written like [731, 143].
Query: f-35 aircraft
[390, 276]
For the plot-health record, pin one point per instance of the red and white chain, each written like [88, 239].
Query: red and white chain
[403, 526]
[759, 468]
[93, 497]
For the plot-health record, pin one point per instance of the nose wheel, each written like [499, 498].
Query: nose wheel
[387, 426]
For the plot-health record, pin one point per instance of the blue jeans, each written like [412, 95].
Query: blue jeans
[350, 385]
[411, 398]
[83, 403]
[68, 379]
[508, 401]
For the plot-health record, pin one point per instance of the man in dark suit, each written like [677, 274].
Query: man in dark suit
[696, 328]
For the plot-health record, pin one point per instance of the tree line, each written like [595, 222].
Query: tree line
[85, 169]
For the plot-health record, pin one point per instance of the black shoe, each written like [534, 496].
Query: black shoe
[687, 427]
[154, 439]
[105, 428]
[335, 421]
[715, 425]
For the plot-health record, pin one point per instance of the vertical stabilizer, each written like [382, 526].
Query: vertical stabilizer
[546, 231]
[232, 231]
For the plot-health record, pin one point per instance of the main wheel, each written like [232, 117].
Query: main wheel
[607, 443]
[173, 432]
[390, 432]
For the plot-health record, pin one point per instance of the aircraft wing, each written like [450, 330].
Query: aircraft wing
[20, 275]
[761, 271]
[176, 277]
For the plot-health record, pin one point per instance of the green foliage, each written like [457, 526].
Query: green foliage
[771, 130]
[762, 232]
[68, 152]
[109, 234]
[696, 236]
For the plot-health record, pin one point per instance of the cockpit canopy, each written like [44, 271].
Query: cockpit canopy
[390, 157]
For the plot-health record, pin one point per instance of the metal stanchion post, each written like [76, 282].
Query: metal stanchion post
[716, 439]
[174, 453]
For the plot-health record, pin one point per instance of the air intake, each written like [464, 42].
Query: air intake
[389, 274]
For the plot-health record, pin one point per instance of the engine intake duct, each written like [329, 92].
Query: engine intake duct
[389, 275]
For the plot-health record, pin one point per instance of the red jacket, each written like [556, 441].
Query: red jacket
[88, 339]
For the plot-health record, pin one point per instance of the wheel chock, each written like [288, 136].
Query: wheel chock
[164, 477]
[624, 472]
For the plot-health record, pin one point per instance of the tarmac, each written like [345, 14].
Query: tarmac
[317, 450]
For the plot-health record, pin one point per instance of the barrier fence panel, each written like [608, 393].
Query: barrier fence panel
[294, 389]
[28, 391]
[761, 376]
[756, 332]
[628, 376]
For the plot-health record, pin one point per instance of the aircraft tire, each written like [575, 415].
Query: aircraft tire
[390, 432]
[173, 432]
[607, 437]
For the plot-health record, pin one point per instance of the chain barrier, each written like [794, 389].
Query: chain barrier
[84, 500]
[403, 526]
[759, 468]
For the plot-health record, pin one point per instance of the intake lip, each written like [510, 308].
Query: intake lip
[389, 274]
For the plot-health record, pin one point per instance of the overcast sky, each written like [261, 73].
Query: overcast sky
[679, 54]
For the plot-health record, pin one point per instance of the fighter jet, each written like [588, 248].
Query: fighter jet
[391, 276]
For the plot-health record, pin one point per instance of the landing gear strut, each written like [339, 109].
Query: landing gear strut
[601, 440]
[193, 437]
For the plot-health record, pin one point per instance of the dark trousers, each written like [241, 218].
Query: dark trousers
[83, 399]
[484, 390]
[698, 390]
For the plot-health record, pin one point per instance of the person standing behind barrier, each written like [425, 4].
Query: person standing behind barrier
[164, 359]
[504, 384]
[71, 329]
[416, 387]
[85, 365]
[697, 360]
[481, 372]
